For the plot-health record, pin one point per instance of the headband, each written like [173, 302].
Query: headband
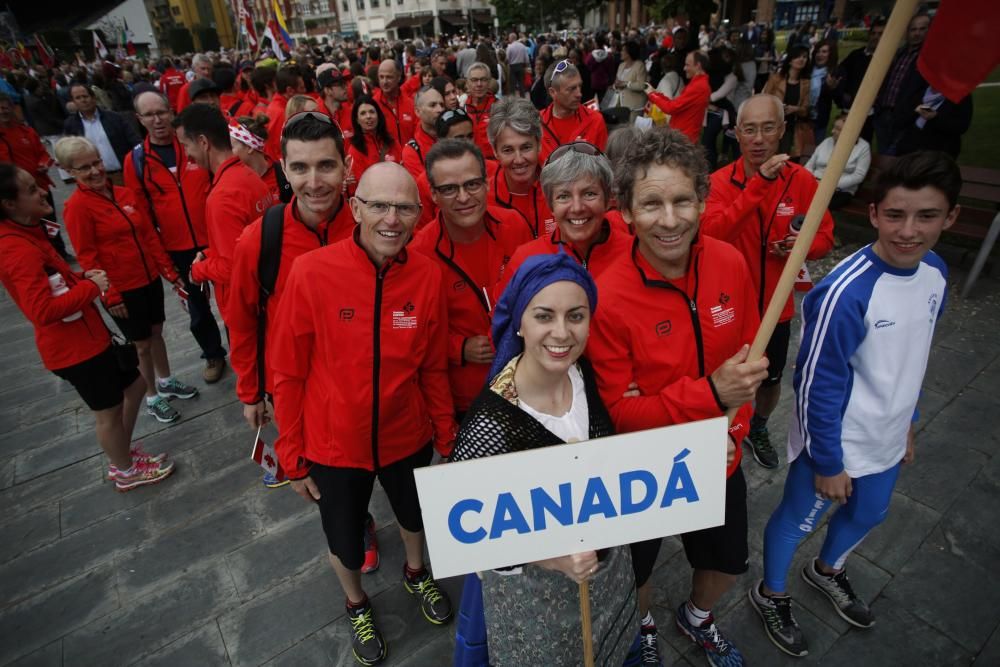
[241, 134]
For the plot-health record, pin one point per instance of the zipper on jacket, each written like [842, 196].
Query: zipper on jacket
[376, 361]
[135, 237]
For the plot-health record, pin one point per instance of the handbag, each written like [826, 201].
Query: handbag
[617, 115]
[124, 350]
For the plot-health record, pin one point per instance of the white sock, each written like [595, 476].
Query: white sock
[162, 382]
[151, 399]
[696, 616]
[647, 621]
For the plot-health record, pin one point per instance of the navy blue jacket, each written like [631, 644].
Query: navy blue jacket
[121, 135]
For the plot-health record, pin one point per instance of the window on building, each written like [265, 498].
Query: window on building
[361, 4]
[374, 4]
[347, 9]
[175, 10]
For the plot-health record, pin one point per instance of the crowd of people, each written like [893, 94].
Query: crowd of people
[408, 243]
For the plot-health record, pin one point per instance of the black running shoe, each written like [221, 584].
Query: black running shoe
[434, 602]
[650, 647]
[841, 595]
[366, 641]
[780, 625]
[760, 444]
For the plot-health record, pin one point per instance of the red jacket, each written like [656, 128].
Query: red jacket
[600, 256]
[342, 117]
[115, 235]
[754, 214]
[534, 210]
[237, 197]
[375, 152]
[585, 125]
[411, 85]
[173, 199]
[184, 95]
[170, 84]
[276, 115]
[24, 148]
[400, 117]
[360, 370]
[413, 158]
[234, 105]
[645, 331]
[480, 115]
[687, 110]
[26, 259]
[244, 289]
[469, 305]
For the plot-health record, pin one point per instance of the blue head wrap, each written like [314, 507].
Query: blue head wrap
[537, 273]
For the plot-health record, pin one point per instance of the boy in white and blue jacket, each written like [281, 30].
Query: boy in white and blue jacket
[866, 335]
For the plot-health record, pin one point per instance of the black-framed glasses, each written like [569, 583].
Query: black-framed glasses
[381, 208]
[473, 186]
[583, 147]
[315, 115]
[150, 115]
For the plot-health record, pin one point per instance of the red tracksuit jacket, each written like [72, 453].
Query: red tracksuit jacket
[468, 306]
[360, 360]
[276, 117]
[26, 259]
[585, 125]
[400, 117]
[480, 115]
[600, 256]
[237, 197]
[413, 158]
[687, 110]
[669, 336]
[174, 200]
[244, 290]
[533, 208]
[375, 151]
[116, 236]
[753, 214]
[24, 148]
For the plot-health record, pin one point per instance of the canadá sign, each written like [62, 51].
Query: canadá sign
[518, 508]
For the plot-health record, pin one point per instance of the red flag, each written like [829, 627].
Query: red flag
[593, 105]
[946, 60]
[267, 458]
[43, 52]
[246, 17]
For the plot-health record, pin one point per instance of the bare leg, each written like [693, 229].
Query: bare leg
[112, 437]
[645, 593]
[350, 580]
[767, 400]
[413, 543]
[133, 401]
[707, 586]
[145, 350]
[159, 352]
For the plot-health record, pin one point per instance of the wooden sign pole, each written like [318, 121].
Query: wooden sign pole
[588, 643]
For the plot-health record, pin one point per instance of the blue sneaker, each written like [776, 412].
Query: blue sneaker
[718, 650]
[271, 482]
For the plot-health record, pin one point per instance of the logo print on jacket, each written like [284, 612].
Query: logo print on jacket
[403, 319]
[346, 314]
[663, 328]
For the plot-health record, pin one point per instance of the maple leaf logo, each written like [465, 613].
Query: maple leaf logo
[269, 461]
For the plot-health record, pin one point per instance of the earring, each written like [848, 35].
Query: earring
[519, 334]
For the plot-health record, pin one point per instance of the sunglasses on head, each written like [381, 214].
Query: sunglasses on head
[584, 147]
[561, 66]
[315, 115]
[449, 116]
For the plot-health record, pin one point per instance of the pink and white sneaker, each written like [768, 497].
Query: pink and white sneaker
[143, 473]
[138, 454]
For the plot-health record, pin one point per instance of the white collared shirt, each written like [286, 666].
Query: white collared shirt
[94, 131]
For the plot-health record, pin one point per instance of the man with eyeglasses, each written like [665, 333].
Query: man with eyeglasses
[454, 124]
[566, 120]
[479, 102]
[429, 105]
[471, 243]
[757, 204]
[361, 389]
[175, 190]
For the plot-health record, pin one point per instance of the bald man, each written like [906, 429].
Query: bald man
[361, 388]
[397, 107]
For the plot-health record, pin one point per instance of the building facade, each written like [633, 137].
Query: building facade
[201, 16]
[404, 19]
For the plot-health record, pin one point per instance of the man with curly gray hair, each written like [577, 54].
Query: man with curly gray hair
[678, 316]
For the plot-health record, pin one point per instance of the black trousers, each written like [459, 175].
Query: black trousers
[203, 325]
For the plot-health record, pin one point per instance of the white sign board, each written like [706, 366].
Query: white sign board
[527, 506]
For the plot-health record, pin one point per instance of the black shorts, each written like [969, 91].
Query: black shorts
[777, 353]
[145, 309]
[723, 548]
[99, 380]
[344, 496]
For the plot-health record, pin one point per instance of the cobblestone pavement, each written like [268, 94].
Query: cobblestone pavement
[210, 568]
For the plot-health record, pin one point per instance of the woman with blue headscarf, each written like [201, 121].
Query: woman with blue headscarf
[542, 392]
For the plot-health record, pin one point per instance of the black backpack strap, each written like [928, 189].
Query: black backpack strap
[272, 229]
[412, 143]
[236, 106]
[284, 187]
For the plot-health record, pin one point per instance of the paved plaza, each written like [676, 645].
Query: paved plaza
[210, 568]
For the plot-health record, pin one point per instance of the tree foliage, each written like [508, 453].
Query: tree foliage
[697, 11]
[548, 12]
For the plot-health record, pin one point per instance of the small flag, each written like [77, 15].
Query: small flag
[129, 39]
[51, 228]
[44, 53]
[803, 281]
[265, 456]
[99, 47]
[183, 295]
[594, 104]
[249, 29]
[269, 33]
